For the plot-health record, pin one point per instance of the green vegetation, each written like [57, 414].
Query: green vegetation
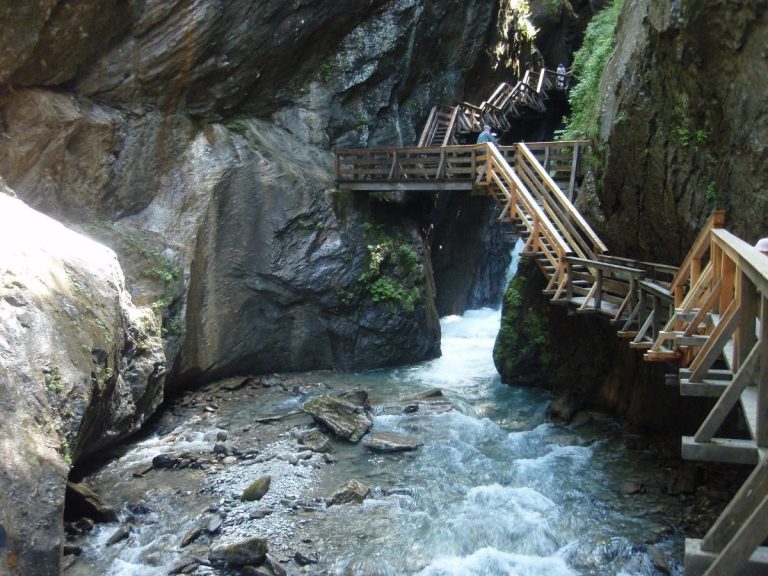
[53, 380]
[555, 7]
[588, 64]
[394, 269]
[326, 69]
[237, 126]
[524, 333]
[65, 451]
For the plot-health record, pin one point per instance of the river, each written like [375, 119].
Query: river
[495, 489]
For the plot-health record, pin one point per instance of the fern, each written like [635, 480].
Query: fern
[588, 64]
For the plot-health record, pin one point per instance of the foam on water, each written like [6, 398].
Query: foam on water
[489, 561]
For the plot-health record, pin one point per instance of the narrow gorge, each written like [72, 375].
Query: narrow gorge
[182, 275]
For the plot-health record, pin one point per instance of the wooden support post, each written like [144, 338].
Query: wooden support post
[569, 274]
[728, 398]
[394, 165]
[715, 344]
[747, 499]
[761, 434]
[599, 290]
[749, 536]
[728, 275]
[574, 171]
[656, 316]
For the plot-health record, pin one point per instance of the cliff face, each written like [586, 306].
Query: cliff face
[192, 137]
[684, 124]
[682, 131]
[80, 368]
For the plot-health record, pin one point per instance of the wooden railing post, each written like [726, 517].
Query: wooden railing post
[762, 379]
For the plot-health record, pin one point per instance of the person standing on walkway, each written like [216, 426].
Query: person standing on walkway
[561, 76]
[486, 135]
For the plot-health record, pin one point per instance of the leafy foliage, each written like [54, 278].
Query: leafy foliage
[588, 64]
[394, 269]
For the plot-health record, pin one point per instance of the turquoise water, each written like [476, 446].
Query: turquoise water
[494, 490]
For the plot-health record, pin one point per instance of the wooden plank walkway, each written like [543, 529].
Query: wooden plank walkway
[710, 316]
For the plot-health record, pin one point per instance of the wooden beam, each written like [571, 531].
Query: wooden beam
[697, 561]
[750, 497]
[729, 398]
[720, 450]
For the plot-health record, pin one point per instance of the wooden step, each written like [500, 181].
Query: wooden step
[712, 374]
[720, 450]
[705, 388]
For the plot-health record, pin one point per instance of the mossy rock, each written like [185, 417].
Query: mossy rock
[257, 489]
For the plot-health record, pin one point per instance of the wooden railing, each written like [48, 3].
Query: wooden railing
[565, 161]
[713, 309]
[728, 323]
[505, 102]
[689, 295]
[556, 204]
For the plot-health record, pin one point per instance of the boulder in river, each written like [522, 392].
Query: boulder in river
[83, 501]
[250, 551]
[257, 489]
[316, 441]
[351, 491]
[388, 442]
[346, 420]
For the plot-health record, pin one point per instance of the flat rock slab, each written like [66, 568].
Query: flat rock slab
[346, 420]
[387, 442]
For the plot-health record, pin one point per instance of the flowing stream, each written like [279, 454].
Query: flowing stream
[494, 489]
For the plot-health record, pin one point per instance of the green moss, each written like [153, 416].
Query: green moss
[393, 273]
[237, 126]
[588, 65]
[524, 333]
[53, 380]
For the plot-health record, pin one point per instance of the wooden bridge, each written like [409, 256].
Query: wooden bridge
[710, 315]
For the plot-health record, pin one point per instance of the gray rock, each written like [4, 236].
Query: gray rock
[191, 535]
[120, 534]
[82, 367]
[387, 442]
[84, 501]
[658, 559]
[213, 524]
[633, 487]
[316, 441]
[305, 559]
[345, 419]
[275, 566]
[257, 489]
[166, 461]
[243, 553]
[351, 491]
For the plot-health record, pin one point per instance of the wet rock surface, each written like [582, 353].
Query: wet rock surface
[210, 485]
[387, 442]
[347, 417]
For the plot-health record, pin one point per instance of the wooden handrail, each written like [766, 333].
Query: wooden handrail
[498, 164]
[700, 246]
[597, 245]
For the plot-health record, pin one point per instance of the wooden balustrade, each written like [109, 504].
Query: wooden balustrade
[557, 205]
[723, 319]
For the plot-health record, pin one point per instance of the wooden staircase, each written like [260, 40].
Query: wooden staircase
[710, 315]
[446, 123]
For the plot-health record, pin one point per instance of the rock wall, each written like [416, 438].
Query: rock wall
[193, 126]
[682, 130]
[80, 368]
[684, 125]
[578, 357]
